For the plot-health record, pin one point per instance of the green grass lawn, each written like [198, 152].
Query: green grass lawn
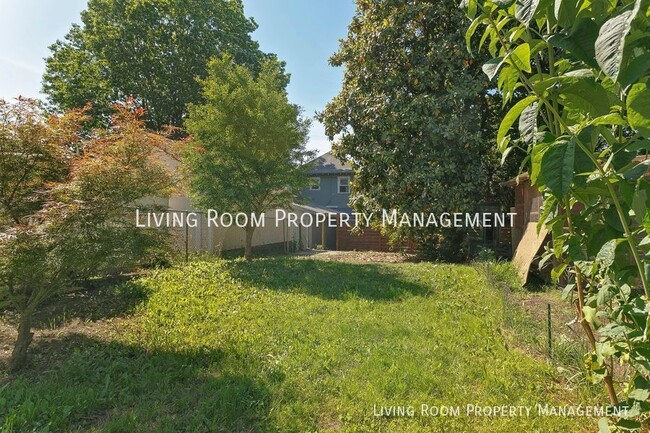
[292, 344]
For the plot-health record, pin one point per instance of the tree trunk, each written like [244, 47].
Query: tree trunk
[24, 339]
[248, 248]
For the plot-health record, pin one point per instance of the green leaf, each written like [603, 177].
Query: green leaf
[491, 67]
[579, 41]
[575, 249]
[511, 116]
[640, 205]
[589, 313]
[582, 162]
[470, 32]
[612, 219]
[609, 119]
[557, 271]
[636, 171]
[628, 424]
[505, 154]
[568, 291]
[640, 394]
[613, 330]
[558, 245]
[528, 123]
[634, 70]
[557, 167]
[603, 425]
[548, 208]
[585, 95]
[638, 108]
[631, 412]
[607, 253]
[604, 294]
[536, 164]
[565, 12]
[471, 9]
[503, 145]
[643, 144]
[507, 83]
[525, 10]
[520, 57]
[611, 41]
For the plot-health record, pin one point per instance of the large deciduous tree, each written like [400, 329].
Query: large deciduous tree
[151, 50]
[64, 204]
[415, 115]
[248, 142]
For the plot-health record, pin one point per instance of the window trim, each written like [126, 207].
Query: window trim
[311, 186]
[338, 184]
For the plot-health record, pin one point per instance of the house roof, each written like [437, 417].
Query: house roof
[327, 163]
[523, 177]
[314, 208]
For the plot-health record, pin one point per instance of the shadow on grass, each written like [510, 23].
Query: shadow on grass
[94, 302]
[327, 279]
[113, 387]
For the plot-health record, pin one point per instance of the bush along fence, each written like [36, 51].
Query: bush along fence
[575, 76]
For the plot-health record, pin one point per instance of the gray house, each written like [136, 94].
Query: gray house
[329, 192]
[329, 183]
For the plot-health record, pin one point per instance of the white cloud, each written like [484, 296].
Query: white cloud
[21, 65]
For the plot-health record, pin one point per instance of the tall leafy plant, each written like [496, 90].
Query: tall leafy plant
[584, 123]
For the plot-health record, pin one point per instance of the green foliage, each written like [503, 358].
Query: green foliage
[415, 117]
[150, 50]
[587, 141]
[32, 153]
[82, 227]
[295, 345]
[248, 141]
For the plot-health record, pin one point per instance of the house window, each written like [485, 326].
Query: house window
[344, 184]
[314, 183]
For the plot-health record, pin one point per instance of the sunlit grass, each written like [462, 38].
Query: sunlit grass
[302, 345]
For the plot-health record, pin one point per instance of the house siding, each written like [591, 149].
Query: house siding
[328, 194]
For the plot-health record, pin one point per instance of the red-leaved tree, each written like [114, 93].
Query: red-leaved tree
[65, 201]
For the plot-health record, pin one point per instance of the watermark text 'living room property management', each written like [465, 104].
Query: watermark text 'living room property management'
[281, 217]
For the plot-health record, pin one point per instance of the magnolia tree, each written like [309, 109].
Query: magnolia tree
[585, 125]
[64, 203]
[415, 115]
[248, 142]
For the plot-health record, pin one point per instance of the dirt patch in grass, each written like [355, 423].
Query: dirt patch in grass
[98, 312]
[357, 256]
[562, 312]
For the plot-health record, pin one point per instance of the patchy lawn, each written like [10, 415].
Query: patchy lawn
[287, 344]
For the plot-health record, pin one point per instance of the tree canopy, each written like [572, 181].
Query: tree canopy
[414, 114]
[248, 141]
[151, 50]
[33, 152]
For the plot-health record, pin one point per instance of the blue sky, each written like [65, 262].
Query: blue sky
[304, 33]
